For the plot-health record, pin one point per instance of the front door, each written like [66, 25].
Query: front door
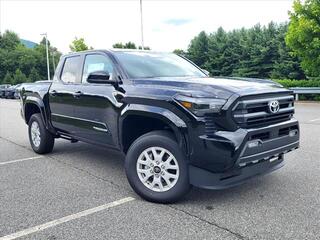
[96, 109]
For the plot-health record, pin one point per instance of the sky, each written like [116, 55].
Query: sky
[168, 24]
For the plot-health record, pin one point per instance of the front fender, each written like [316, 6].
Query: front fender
[158, 112]
[178, 125]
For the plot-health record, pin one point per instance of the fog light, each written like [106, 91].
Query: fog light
[254, 144]
[293, 133]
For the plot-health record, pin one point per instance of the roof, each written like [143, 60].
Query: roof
[112, 50]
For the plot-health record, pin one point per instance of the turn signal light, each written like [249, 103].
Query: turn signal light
[186, 104]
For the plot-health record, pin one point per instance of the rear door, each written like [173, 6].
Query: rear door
[62, 93]
[96, 108]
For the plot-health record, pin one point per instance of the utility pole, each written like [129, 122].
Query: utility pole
[53, 62]
[47, 50]
[141, 21]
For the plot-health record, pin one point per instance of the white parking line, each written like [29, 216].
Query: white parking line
[20, 160]
[314, 120]
[66, 219]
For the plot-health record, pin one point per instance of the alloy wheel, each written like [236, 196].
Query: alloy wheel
[157, 169]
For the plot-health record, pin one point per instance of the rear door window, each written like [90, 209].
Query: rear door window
[71, 69]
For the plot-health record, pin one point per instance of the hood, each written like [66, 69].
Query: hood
[213, 87]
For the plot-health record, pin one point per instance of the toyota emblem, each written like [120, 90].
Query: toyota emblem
[274, 106]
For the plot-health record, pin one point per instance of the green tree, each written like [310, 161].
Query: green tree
[19, 77]
[43, 42]
[15, 56]
[34, 75]
[41, 60]
[286, 66]
[179, 52]
[303, 34]
[198, 49]
[78, 45]
[118, 45]
[130, 45]
[254, 54]
[214, 52]
[8, 78]
[258, 52]
[9, 40]
[144, 48]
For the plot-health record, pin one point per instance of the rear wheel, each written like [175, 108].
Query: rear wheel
[156, 168]
[40, 138]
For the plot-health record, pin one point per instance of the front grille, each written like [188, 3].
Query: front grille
[254, 112]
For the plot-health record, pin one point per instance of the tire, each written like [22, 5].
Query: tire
[153, 185]
[44, 144]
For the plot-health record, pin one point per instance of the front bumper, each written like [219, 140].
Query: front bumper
[205, 179]
[226, 158]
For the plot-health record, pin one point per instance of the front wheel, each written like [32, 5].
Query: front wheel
[40, 138]
[156, 168]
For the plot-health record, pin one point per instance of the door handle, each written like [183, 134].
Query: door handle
[53, 93]
[77, 94]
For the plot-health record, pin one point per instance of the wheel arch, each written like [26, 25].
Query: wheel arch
[140, 119]
[34, 105]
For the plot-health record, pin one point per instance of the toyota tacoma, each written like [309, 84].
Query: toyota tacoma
[177, 126]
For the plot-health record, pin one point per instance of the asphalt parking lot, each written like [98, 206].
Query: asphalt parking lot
[80, 191]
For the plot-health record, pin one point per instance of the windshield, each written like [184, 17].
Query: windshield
[153, 65]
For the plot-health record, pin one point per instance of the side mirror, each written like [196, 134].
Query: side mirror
[102, 77]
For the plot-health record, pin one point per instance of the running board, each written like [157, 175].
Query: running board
[72, 140]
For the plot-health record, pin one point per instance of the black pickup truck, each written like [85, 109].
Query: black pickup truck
[177, 126]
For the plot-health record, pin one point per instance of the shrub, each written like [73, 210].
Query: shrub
[302, 83]
[299, 83]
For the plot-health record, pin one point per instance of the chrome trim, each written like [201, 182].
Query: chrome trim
[263, 114]
[100, 129]
[262, 100]
[81, 119]
[268, 151]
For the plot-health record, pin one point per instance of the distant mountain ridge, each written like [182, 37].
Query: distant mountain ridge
[28, 44]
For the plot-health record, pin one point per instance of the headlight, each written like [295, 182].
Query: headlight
[199, 106]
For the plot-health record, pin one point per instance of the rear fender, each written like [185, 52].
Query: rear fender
[39, 103]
